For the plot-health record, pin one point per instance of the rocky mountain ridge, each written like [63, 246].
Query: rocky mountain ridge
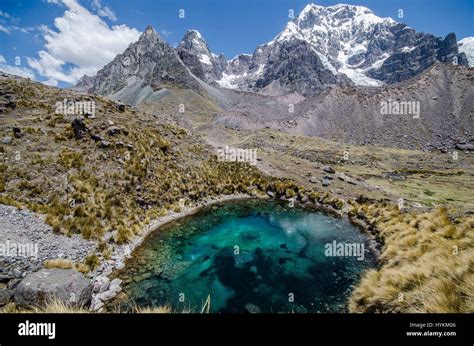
[348, 43]
[320, 48]
[143, 69]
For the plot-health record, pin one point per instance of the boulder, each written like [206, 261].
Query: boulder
[67, 285]
[328, 169]
[465, 146]
[326, 181]
[343, 177]
[4, 279]
[394, 176]
[115, 130]
[79, 128]
[5, 296]
[11, 104]
[17, 132]
[115, 283]
[104, 144]
[96, 137]
[104, 284]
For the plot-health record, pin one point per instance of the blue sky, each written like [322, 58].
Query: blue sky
[28, 27]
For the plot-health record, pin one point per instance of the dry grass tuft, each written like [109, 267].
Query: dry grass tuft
[427, 263]
[58, 263]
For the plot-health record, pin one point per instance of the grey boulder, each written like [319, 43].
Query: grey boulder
[67, 285]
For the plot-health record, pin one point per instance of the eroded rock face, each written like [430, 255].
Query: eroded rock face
[150, 61]
[296, 65]
[413, 52]
[195, 54]
[67, 285]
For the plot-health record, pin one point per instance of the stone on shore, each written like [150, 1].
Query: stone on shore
[67, 285]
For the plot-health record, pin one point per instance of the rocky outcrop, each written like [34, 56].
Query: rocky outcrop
[67, 285]
[414, 52]
[300, 69]
[148, 64]
[84, 84]
[196, 55]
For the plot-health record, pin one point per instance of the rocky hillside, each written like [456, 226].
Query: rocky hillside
[90, 176]
[108, 172]
[443, 95]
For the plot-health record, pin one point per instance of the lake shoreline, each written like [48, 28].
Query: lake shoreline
[201, 242]
[123, 252]
[101, 277]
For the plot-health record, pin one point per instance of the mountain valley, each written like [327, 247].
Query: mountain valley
[349, 113]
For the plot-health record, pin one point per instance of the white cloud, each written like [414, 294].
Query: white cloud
[24, 29]
[80, 43]
[19, 71]
[8, 16]
[103, 11]
[4, 29]
[51, 82]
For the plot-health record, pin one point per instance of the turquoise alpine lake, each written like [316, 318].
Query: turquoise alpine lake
[249, 256]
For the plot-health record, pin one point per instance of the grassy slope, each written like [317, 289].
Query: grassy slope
[427, 262]
[431, 178]
[150, 167]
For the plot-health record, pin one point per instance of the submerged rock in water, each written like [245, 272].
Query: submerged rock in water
[239, 255]
[243, 258]
[252, 308]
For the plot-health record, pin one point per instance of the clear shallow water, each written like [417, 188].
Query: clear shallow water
[249, 256]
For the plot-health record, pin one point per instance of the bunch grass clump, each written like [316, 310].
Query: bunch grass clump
[427, 262]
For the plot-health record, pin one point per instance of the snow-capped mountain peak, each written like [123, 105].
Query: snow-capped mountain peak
[466, 46]
[193, 41]
[339, 15]
[319, 48]
[349, 42]
[340, 35]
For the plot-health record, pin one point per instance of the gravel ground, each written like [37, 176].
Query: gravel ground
[23, 228]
